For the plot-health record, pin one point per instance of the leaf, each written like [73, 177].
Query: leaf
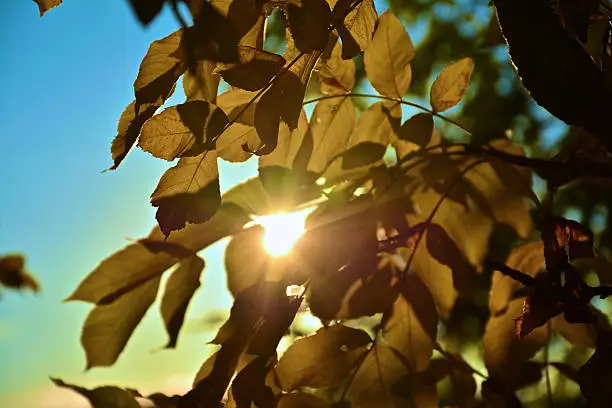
[564, 241]
[181, 286]
[503, 351]
[309, 24]
[577, 334]
[300, 400]
[134, 265]
[538, 309]
[171, 248]
[159, 70]
[108, 328]
[146, 10]
[595, 375]
[14, 276]
[104, 397]
[128, 129]
[418, 129]
[246, 261]
[323, 359]
[249, 385]
[450, 85]
[387, 59]
[527, 258]
[336, 75]
[290, 148]
[356, 28]
[46, 5]
[187, 192]
[183, 130]
[412, 324]
[254, 69]
[377, 124]
[202, 83]
[362, 154]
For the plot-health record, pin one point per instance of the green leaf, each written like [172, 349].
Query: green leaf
[187, 192]
[356, 28]
[450, 85]
[46, 5]
[14, 276]
[159, 70]
[128, 129]
[181, 286]
[108, 328]
[202, 83]
[254, 70]
[362, 154]
[183, 130]
[387, 59]
[300, 400]
[309, 24]
[134, 265]
[104, 397]
[418, 129]
[323, 359]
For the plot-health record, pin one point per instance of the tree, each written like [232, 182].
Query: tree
[410, 225]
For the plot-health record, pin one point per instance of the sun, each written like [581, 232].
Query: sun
[282, 230]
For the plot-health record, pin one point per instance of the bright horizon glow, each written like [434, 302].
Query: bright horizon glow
[282, 230]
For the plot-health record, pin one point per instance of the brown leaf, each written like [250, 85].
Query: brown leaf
[46, 5]
[289, 147]
[451, 84]
[180, 288]
[577, 334]
[362, 154]
[254, 69]
[249, 385]
[104, 397]
[309, 24]
[595, 375]
[336, 75]
[13, 274]
[187, 192]
[564, 241]
[356, 28]
[242, 132]
[108, 327]
[184, 130]
[171, 248]
[323, 359]
[538, 309]
[387, 59]
[300, 400]
[201, 84]
[379, 123]
[418, 129]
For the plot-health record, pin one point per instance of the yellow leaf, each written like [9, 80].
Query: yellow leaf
[336, 75]
[46, 5]
[201, 84]
[450, 85]
[355, 28]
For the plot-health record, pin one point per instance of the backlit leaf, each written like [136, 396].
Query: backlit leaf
[309, 24]
[411, 326]
[201, 84]
[46, 5]
[183, 130]
[362, 154]
[451, 84]
[300, 400]
[289, 152]
[336, 75]
[387, 59]
[356, 28]
[379, 123]
[254, 69]
[323, 359]
[181, 286]
[418, 129]
[159, 70]
[104, 397]
[108, 327]
[14, 276]
[249, 385]
[187, 192]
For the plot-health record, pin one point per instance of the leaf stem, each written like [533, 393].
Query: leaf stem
[387, 98]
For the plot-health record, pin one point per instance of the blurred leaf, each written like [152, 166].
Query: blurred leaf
[578, 334]
[362, 154]
[412, 324]
[356, 28]
[14, 276]
[323, 359]
[183, 130]
[595, 375]
[309, 24]
[201, 84]
[300, 400]
[254, 69]
[187, 192]
[46, 5]
[451, 84]
[146, 10]
[104, 397]
[159, 70]
[418, 129]
[181, 286]
[108, 327]
[387, 59]
[246, 261]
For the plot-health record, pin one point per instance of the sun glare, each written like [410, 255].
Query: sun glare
[282, 230]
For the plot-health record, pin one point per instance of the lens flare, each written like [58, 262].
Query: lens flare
[282, 230]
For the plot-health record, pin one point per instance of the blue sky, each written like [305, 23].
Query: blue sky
[65, 80]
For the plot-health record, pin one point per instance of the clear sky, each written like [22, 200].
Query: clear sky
[65, 79]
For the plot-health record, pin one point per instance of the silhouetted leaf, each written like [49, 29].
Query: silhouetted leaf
[108, 327]
[451, 84]
[171, 248]
[564, 241]
[46, 5]
[412, 324]
[249, 385]
[187, 192]
[159, 70]
[387, 59]
[595, 375]
[356, 28]
[254, 69]
[418, 129]
[538, 309]
[336, 75]
[146, 10]
[14, 276]
[300, 400]
[183, 130]
[323, 359]
[289, 147]
[128, 129]
[201, 84]
[104, 397]
[309, 24]
[181, 286]
[362, 154]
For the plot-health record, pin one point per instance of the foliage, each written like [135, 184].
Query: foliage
[409, 226]
[13, 274]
